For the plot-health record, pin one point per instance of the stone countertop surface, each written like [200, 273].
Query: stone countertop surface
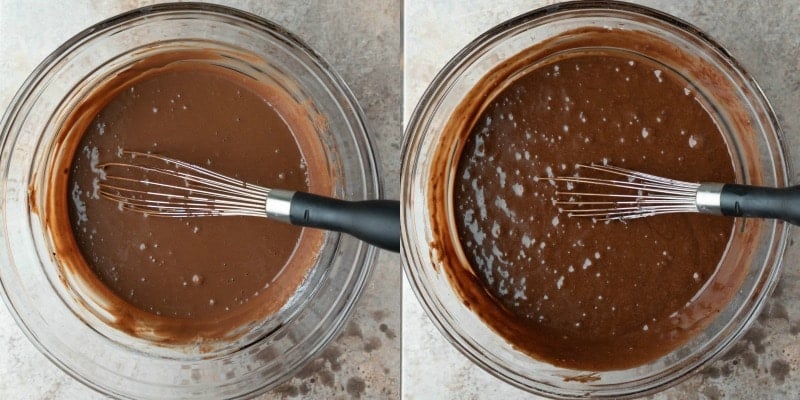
[363, 44]
[765, 38]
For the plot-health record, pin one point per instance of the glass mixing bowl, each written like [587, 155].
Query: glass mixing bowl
[749, 268]
[59, 318]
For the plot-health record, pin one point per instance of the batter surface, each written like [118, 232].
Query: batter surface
[198, 277]
[577, 293]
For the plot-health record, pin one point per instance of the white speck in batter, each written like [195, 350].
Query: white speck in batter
[657, 73]
[518, 189]
[80, 206]
[502, 175]
[527, 241]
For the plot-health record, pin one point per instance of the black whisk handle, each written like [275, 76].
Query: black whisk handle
[761, 202]
[374, 221]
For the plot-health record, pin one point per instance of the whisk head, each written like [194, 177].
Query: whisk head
[165, 187]
[623, 194]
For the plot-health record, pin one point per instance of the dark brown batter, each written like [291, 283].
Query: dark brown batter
[577, 293]
[195, 277]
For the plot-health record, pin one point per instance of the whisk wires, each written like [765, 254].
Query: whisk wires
[625, 194]
[165, 187]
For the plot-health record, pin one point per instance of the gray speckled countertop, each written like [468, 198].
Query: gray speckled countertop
[363, 44]
[765, 38]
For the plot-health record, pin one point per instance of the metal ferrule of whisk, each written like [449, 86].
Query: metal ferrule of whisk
[278, 204]
[708, 198]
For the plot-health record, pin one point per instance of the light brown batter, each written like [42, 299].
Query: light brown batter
[193, 278]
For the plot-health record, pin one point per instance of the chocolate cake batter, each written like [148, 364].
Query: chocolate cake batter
[194, 278]
[574, 292]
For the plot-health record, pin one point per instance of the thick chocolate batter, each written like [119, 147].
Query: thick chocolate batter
[577, 293]
[196, 277]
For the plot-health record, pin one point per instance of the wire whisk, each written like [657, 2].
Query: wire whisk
[160, 186]
[178, 189]
[623, 194]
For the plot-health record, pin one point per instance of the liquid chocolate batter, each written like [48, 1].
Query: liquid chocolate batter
[194, 273]
[574, 292]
